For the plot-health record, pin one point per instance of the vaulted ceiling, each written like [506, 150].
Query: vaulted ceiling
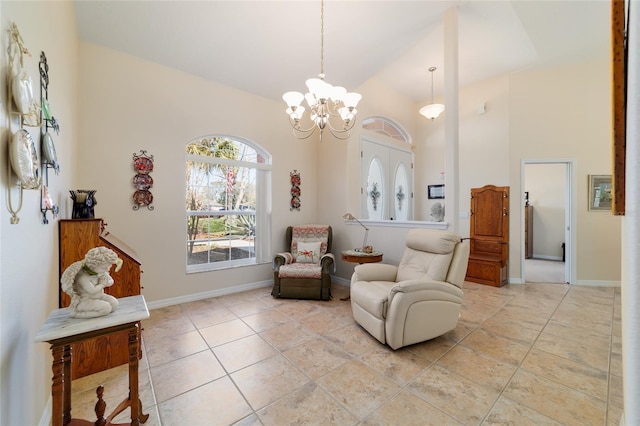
[270, 47]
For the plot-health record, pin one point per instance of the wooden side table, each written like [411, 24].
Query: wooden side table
[360, 257]
[61, 331]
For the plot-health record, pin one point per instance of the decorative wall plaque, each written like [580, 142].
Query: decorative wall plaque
[142, 181]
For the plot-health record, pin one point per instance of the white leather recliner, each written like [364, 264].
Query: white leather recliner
[419, 299]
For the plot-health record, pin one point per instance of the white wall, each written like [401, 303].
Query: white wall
[29, 250]
[128, 104]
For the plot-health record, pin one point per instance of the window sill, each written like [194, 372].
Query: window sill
[400, 223]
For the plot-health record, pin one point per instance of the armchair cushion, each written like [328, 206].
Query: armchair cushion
[427, 256]
[308, 252]
[310, 234]
[300, 270]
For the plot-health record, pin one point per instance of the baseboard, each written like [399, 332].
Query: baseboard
[593, 283]
[208, 294]
[45, 418]
[544, 257]
[342, 281]
[579, 283]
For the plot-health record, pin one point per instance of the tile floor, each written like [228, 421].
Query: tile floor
[521, 354]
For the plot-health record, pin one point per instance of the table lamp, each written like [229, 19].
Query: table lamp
[349, 216]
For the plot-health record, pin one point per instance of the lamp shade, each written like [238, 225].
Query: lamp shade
[432, 111]
[292, 98]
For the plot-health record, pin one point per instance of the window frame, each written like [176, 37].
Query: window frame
[262, 213]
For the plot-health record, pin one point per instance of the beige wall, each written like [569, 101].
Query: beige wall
[483, 146]
[128, 104]
[29, 250]
[564, 112]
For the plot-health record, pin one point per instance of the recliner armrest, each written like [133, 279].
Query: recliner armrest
[374, 272]
[439, 290]
[328, 262]
[419, 285]
[282, 259]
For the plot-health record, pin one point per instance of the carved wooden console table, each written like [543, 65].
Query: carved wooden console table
[61, 331]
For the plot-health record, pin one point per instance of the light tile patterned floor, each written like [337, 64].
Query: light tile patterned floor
[521, 354]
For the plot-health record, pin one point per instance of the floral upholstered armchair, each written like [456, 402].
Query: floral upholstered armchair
[305, 271]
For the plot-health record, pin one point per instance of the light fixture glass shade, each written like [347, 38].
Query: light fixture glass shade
[338, 93]
[432, 111]
[292, 98]
[320, 88]
[351, 99]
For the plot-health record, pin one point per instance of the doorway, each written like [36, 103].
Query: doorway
[548, 188]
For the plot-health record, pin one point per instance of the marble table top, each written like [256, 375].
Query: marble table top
[60, 325]
[360, 253]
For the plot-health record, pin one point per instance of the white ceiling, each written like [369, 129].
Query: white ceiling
[270, 47]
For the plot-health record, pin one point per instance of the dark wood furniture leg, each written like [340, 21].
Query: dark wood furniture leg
[57, 385]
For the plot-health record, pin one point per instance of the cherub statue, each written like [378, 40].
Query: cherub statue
[85, 281]
[437, 212]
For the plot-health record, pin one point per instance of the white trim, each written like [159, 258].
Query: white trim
[208, 294]
[571, 202]
[545, 257]
[339, 280]
[596, 283]
[400, 223]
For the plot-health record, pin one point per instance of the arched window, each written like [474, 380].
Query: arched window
[387, 127]
[227, 183]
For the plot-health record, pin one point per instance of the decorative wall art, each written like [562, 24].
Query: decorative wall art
[600, 195]
[47, 146]
[375, 195]
[142, 181]
[295, 190]
[400, 197]
[435, 191]
[22, 157]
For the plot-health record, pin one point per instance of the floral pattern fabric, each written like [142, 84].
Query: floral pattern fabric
[300, 270]
[308, 234]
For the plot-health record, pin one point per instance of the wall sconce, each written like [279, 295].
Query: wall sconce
[349, 216]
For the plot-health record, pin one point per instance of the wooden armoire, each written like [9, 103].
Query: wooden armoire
[76, 237]
[489, 236]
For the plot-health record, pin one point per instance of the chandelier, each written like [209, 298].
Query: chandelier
[330, 107]
[432, 110]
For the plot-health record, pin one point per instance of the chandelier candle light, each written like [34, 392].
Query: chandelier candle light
[325, 102]
[432, 110]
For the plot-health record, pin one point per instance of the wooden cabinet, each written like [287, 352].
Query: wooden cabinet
[489, 236]
[76, 237]
[528, 232]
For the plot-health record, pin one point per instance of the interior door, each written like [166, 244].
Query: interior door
[386, 189]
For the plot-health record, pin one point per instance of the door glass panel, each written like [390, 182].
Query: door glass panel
[400, 193]
[375, 190]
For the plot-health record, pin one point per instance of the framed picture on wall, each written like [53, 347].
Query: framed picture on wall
[600, 195]
[435, 191]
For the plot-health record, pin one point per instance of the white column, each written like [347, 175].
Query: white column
[451, 180]
[631, 232]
